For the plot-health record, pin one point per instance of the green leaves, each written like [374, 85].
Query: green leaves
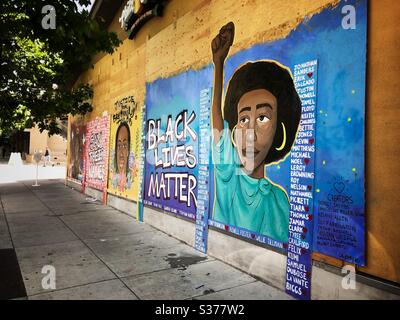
[38, 66]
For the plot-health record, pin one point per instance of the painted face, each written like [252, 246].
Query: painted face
[122, 149]
[255, 130]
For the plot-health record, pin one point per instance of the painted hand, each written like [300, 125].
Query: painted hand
[222, 42]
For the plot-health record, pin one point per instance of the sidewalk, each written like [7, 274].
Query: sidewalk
[101, 253]
[9, 174]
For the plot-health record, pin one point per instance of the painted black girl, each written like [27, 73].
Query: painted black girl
[256, 127]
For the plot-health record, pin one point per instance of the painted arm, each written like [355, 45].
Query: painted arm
[220, 48]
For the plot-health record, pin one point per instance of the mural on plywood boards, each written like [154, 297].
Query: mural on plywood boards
[125, 144]
[97, 135]
[76, 160]
[267, 143]
[256, 126]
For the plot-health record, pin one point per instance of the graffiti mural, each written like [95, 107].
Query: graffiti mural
[274, 151]
[172, 135]
[125, 140]
[336, 160]
[261, 117]
[77, 139]
[97, 134]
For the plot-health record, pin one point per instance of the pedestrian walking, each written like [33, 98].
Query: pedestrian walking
[47, 157]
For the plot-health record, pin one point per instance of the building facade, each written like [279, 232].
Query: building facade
[303, 82]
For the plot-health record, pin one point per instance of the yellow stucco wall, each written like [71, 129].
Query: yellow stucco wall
[39, 140]
[181, 40]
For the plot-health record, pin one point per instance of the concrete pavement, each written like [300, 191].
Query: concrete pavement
[10, 174]
[101, 253]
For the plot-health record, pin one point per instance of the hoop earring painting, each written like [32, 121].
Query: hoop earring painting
[284, 138]
[232, 136]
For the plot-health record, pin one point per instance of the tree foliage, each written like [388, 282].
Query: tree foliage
[38, 66]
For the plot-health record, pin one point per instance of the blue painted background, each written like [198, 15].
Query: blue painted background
[340, 106]
[170, 97]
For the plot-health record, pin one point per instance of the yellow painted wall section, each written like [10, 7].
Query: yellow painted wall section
[180, 40]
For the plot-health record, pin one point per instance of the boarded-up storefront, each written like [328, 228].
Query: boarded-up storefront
[256, 131]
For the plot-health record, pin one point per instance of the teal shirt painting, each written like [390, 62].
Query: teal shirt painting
[257, 205]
